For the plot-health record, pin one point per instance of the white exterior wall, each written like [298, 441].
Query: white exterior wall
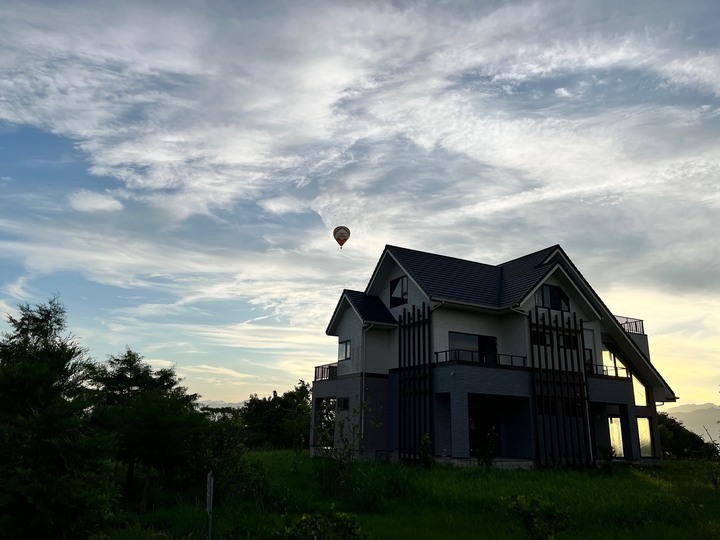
[468, 322]
[350, 328]
[380, 354]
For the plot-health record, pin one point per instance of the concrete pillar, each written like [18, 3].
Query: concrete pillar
[460, 431]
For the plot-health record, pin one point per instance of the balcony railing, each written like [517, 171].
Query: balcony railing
[632, 326]
[460, 355]
[325, 372]
[610, 371]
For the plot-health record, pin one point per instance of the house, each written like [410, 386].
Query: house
[522, 360]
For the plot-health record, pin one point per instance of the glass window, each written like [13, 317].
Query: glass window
[645, 437]
[553, 297]
[639, 392]
[398, 291]
[612, 365]
[464, 346]
[344, 350]
[472, 347]
[541, 338]
[343, 404]
[616, 439]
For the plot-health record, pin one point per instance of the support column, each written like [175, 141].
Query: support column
[460, 428]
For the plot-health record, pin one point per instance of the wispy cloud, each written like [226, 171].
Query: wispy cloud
[88, 201]
[210, 154]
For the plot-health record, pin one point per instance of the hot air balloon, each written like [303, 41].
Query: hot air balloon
[341, 234]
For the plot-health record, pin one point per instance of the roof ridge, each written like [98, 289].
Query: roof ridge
[528, 255]
[452, 257]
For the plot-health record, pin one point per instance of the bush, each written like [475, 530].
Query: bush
[323, 525]
[541, 518]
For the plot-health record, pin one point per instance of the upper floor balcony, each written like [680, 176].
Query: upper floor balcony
[483, 358]
[630, 325]
[326, 372]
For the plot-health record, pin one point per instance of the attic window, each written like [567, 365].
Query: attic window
[398, 291]
[552, 297]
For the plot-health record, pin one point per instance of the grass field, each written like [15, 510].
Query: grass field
[287, 495]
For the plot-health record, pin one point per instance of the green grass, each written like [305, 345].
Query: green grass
[675, 499]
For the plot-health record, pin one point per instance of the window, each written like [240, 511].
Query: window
[612, 365]
[553, 297]
[542, 339]
[344, 350]
[398, 291]
[645, 436]
[639, 392]
[472, 347]
[343, 404]
[616, 438]
[568, 341]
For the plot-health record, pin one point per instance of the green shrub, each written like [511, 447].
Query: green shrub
[541, 518]
[324, 525]
[426, 452]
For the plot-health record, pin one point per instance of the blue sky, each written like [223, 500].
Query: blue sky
[174, 170]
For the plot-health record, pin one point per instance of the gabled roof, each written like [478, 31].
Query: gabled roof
[507, 285]
[368, 308]
[457, 280]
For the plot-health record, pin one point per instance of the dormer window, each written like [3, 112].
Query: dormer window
[398, 291]
[552, 297]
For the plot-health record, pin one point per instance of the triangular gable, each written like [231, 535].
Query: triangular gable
[369, 309]
[559, 261]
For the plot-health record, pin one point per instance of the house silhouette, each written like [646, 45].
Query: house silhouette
[521, 361]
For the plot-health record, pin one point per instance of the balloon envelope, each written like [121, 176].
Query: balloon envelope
[341, 235]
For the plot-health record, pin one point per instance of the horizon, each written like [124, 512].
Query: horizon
[174, 171]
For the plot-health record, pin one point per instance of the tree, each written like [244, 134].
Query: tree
[279, 421]
[55, 470]
[678, 441]
[155, 419]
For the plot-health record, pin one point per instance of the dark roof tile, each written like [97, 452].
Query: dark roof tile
[370, 308]
[459, 280]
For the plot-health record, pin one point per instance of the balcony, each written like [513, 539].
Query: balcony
[326, 372]
[631, 326]
[609, 370]
[460, 355]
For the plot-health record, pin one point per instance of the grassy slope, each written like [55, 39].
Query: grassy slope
[673, 500]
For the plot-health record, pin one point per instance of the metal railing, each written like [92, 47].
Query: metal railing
[632, 326]
[610, 371]
[461, 355]
[325, 372]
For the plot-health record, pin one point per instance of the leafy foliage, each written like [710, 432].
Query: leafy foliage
[321, 525]
[56, 466]
[280, 421]
[678, 441]
[541, 517]
[157, 425]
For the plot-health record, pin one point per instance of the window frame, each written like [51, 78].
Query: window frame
[485, 347]
[344, 350]
[343, 403]
[401, 300]
[552, 297]
[646, 450]
[618, 445]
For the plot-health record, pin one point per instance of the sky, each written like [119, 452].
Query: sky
[173, 170]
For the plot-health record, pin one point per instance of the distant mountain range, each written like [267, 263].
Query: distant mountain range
[219, 404]
[698, 417]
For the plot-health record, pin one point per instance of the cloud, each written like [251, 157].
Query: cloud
[222, 146]
[88, 201]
